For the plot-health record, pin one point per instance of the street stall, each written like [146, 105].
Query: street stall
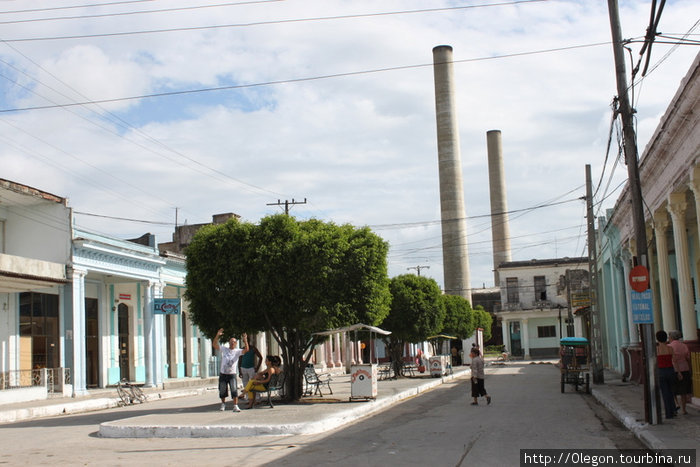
[363, 376]
[440, 364]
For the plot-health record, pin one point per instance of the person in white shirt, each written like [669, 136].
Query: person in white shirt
[228, 373]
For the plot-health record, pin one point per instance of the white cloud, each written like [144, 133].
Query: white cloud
[360, 148]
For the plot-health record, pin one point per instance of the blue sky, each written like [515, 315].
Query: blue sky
[361, 148]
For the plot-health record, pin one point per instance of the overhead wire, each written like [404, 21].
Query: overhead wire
[139, 12]
[294, 80]
[273, 22]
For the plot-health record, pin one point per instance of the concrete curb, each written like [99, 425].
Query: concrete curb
[66, 407]
[363, 409]
[639, 429]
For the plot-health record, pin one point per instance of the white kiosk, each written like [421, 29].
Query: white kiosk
[363, 376]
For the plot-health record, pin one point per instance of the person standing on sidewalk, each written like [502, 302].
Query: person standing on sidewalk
[683, 387]
[249, 365]
[664, 361]
[229, 361]
[477, 367]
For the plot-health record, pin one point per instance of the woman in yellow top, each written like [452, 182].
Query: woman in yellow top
[262, 379]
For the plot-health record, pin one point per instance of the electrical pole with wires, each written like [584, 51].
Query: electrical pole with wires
[418, 268]
[651, 395]
[286, 204]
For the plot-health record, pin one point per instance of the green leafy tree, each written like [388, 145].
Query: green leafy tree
[417, 311]
[483, 320]
[459, 317]
[290, 278]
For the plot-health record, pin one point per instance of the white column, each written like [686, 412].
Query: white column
[506, 334]
[666, 293]
[78, 344]
[149, 335]
[677, 206]
[525, 339]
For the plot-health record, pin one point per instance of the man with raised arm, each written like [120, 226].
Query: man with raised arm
[228, 373]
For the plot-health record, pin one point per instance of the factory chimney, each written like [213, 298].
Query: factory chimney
[455, 255]
[500, 231]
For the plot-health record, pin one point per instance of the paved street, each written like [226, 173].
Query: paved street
[438, 428]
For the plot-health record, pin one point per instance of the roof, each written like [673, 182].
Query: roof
[544, 262]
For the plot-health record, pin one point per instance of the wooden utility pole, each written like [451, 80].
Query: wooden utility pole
[651, 395]
[286, 204]
[594, 310]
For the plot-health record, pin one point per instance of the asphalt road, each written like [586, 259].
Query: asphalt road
[438, 428]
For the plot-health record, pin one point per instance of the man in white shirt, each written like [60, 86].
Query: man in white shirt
[229, 362]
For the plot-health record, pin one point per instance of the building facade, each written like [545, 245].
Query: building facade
[77, 308]
[670, 182]
[541, 302]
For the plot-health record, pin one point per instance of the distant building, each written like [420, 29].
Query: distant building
[541, 301]
[184, 233]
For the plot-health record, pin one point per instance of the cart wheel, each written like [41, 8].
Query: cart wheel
[562, 383]
[588, 383]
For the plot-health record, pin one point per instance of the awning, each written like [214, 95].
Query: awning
[442, 336]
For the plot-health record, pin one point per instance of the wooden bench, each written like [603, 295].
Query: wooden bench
[276, 384]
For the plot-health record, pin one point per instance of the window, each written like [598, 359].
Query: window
[546, 331]
[512, 290]
[540, 289]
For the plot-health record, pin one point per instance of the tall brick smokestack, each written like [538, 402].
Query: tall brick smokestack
[455, 254]
[500, 231]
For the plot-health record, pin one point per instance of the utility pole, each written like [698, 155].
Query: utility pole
[652, 409]
[596, 336]
[418, 268]
[286, 204]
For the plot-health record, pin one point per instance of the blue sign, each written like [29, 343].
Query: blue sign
[166, 306]
[642, 312]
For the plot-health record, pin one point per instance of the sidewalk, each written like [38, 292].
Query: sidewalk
[318, 414]
[626, 402]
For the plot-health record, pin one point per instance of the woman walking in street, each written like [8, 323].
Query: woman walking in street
[477, 367]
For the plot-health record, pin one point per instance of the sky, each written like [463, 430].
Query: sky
[147, 112]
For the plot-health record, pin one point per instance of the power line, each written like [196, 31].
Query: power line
[72, 7]
[270, 22]
[295, 80]
[436, 222]
[123, 218]
[140, 12]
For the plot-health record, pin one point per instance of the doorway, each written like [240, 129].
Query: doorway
[91, 343]
[516, 347]
[124, 347]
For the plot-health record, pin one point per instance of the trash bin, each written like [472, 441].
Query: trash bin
[363, 381]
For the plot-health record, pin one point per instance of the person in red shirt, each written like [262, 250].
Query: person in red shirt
[664, 361]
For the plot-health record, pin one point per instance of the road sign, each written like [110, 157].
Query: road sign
[642, 312]
[639, 278]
